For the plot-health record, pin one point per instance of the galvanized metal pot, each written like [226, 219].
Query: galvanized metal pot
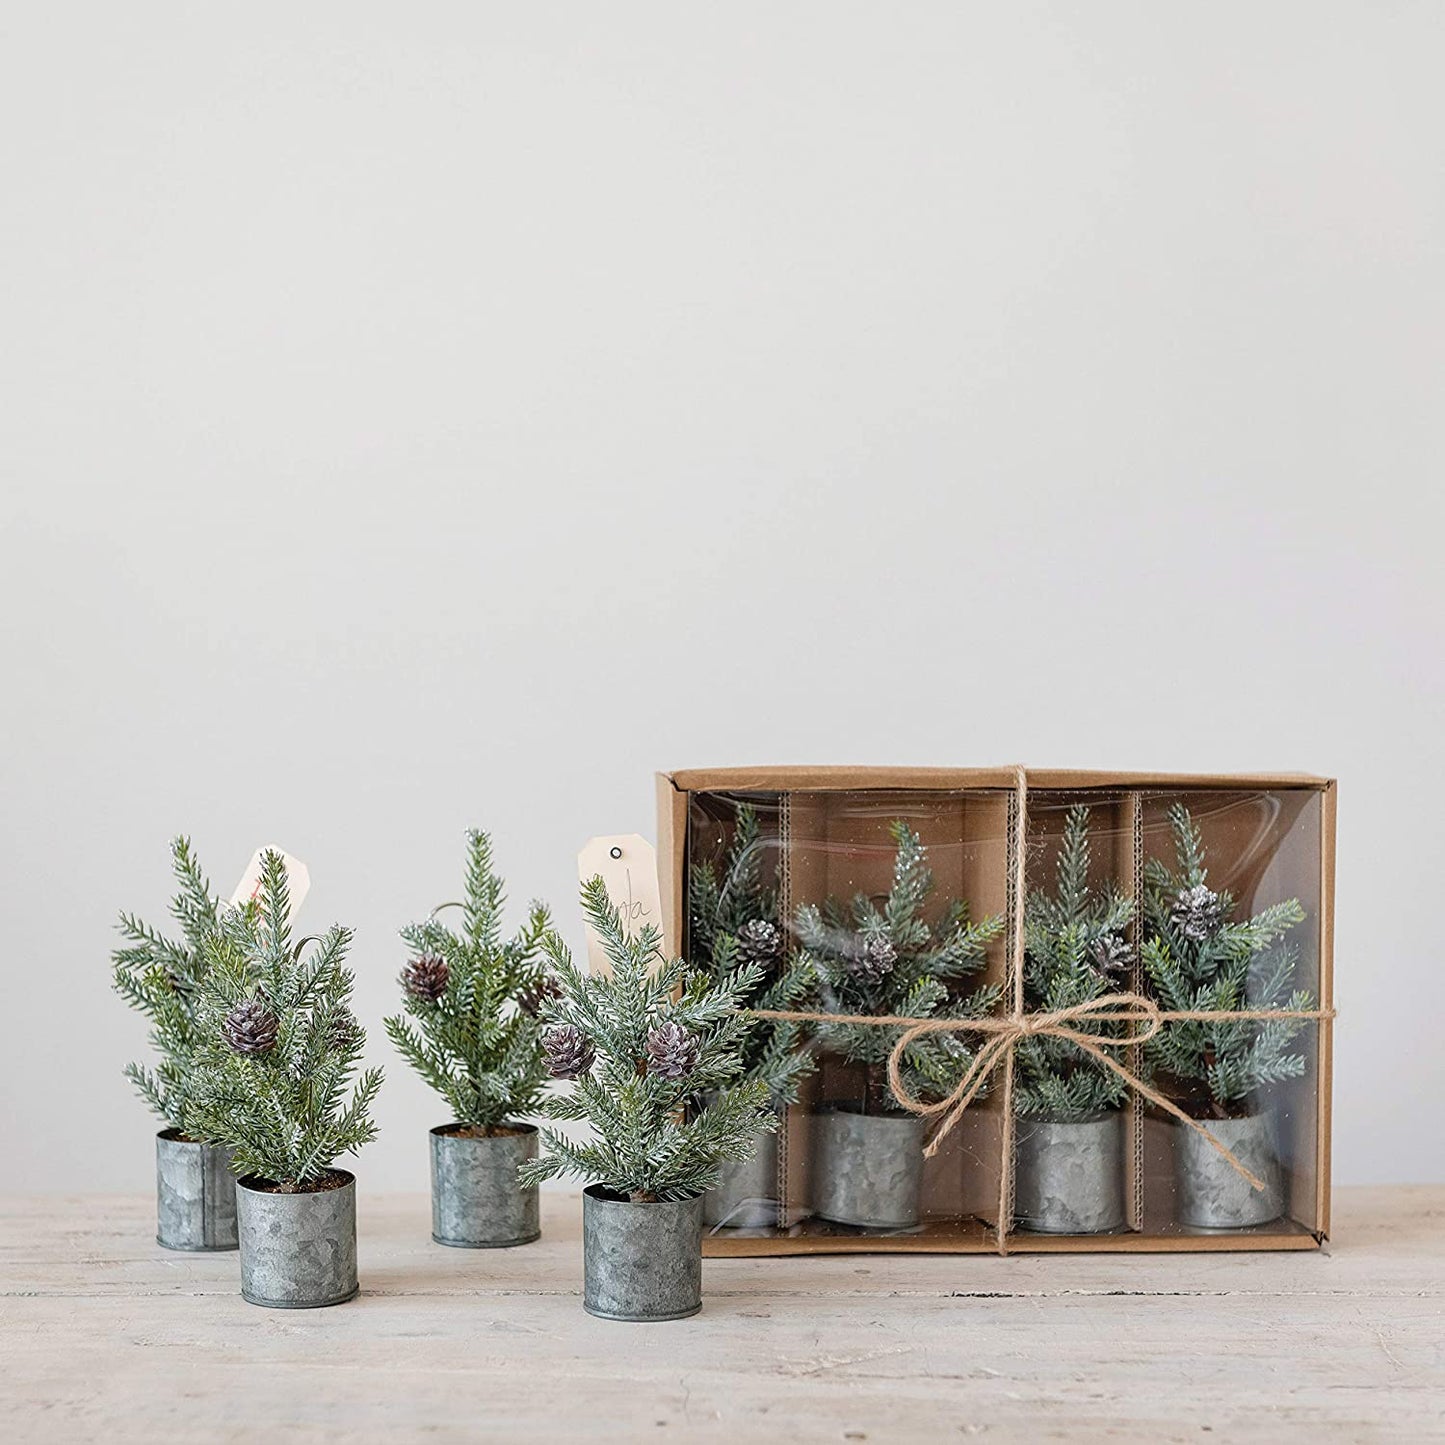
[298, 1251]
[1212, 1194]
[1069, 1177]
[640, 1261]
[195, 1194]
[867, 1168]
[746, 1196]
[476, 1202]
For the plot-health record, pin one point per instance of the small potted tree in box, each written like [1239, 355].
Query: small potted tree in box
[281, 1052]
[889, 961]
[1069, 1153]
[638, 1045]
[1198, 956]
[733, 921]
[471, 1032]
[161, 978]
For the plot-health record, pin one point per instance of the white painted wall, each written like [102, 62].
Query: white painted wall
[413, 416]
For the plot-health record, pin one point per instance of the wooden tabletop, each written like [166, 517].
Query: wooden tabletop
[105, 1335]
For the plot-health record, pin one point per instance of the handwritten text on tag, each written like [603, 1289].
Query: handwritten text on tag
[627, 864]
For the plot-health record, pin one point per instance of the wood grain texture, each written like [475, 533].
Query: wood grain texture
[106, 1335]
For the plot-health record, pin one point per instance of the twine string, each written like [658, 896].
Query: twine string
[1016, 1014]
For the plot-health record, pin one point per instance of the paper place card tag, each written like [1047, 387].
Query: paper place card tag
[627, 863]
[298, 881]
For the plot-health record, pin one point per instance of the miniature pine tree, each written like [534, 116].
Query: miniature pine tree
[471, 999]
[1074, 952]
[639, 1045]
[894, 961]
[733, 920]
[1197, 957]
[161, 978]
[281, 1046]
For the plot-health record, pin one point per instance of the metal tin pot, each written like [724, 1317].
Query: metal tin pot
[1212, 1194]
[867, 1168]
[640, 1261]
[1069, 1176]
[298, 1251]
[195, 1194]
[746, 1196]
[476, 1201]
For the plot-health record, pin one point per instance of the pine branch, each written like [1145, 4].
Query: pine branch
[1070, 935]
[1196, 957]
[280, 1102]
[640, 1052]
[160, 978]
[148, 1086]
[473, 1043]
[894, 960]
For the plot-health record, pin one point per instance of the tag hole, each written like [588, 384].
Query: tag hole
[617, 852]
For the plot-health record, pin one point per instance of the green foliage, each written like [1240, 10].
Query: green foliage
[728, 911]
[161, 977]
[894, 961]
[646, 1143]
[474, 1045]
[1073, 950]
[284, 1111]
[1196, 957]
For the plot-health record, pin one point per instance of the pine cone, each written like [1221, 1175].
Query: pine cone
[672, 1050]
[250, 1028]
[345, 1032]
[759, 942]
[1112, 954]
[426, 978]
[567, 1051]
[1197, 913]
[531, 999]
[873, 957]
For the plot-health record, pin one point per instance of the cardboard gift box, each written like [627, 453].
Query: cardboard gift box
[1228, 1149]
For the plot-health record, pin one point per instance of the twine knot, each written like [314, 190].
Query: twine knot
[1119, 1020]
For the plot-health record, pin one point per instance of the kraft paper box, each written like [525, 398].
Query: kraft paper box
[1002, 1174]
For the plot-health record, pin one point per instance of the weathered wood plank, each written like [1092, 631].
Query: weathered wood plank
[106, 1334]
[1393, 1241]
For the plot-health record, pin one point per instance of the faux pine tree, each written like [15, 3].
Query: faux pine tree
[281, 1046]
[162, 978]
[638, 1046]
[1074, 952]
[733, 921]
[1197, 955]
[471, 1029]
[894, 960]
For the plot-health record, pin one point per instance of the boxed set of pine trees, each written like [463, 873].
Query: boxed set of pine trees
[1015, 1009]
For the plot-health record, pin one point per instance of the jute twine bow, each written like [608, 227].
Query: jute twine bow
[1139, 1017]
